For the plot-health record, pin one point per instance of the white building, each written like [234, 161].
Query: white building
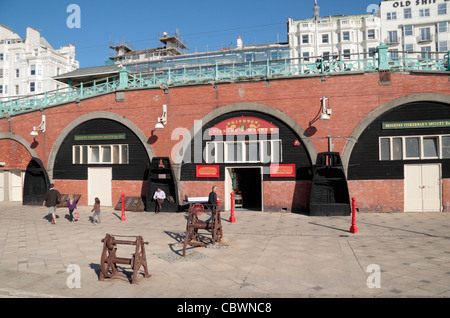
[415, 25]
[334, 35]
[27, 65]
[408, 25]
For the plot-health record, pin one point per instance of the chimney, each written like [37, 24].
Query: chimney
[239, 43]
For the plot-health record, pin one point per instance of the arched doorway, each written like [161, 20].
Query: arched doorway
[35, 184]
[252, 150]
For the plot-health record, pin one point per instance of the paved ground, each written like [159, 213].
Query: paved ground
[275, 255]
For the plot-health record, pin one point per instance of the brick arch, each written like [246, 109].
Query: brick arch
[291, 123]
[96, 115]
[20, 140]
[366, 121]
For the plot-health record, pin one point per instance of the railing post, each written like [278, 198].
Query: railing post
[123, 78]
[383, 63]
[448, 60]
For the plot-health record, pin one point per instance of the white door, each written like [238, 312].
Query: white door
[2, 185]
[16, 186]
[422, 188]
[100, 185]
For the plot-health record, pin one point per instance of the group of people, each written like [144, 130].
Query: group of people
[53, 198]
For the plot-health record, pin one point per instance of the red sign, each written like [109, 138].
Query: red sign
[282, 170]
[243, 125]
[207, 171]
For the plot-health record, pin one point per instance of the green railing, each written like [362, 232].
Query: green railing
[380, 60]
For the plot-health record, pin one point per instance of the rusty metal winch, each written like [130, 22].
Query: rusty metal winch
[109, 260]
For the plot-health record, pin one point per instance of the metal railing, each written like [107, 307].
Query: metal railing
[344, 63]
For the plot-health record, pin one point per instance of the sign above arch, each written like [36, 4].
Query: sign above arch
[243, 125]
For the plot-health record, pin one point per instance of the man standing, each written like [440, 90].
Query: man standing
[212, 198]
[159, 197]
[51, 200]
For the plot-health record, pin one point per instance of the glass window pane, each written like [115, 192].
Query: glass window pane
[445, 146]
[238, 152]
[124, 154]
[95, 154]
[385, 145]
[276, 151]
[84, 154]
[412, 147]
[116, 154]
[397, 149]
[76, 154]
[219, 150]
[210, 152]
[430, 147]
[106, 154]
[252, 151]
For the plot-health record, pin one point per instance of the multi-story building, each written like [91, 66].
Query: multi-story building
[28, 64]
[333, 35]
[415, 25]
[405, 26]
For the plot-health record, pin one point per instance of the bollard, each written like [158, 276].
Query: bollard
[353, 228]
[123, 207]
[232, 218]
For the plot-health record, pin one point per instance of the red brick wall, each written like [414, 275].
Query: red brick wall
[14, 155]
[377, 195]
[351, 98]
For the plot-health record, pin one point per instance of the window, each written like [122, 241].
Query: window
[17, 58]
[346, 54]
[100, 154]
[305, 56]
[32, 87]
[445, 147]
[392, 37]
[391, 16]
[1, 89]
[324, 38]
[371, 34]
[32, 69]
[414, 147]
[425, 52]
[346, 36]
[305, 38]
[442, 46]
[425, 34]
[1, 73]
[409, 48]
[17, 73]
[442, 27]
[424, 12]
[442, 8]
[247, 151]
[408, 30]
[407, 13]
[17, 89]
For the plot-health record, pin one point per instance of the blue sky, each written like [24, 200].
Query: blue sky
[205, 24]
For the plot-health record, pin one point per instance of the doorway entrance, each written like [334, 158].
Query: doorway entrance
[100, 185]
[246, 182]
[423, 188]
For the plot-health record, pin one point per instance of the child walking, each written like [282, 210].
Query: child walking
[96, 210]
[72, 205]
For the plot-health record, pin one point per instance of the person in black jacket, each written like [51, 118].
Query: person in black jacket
[51, 200]
[212, 198]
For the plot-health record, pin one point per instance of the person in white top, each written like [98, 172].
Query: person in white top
[159, 197]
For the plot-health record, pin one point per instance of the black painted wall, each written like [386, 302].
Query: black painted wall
[136, 169]
[364, 161]
[290, 153]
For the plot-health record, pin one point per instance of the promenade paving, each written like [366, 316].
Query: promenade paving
[263, 255]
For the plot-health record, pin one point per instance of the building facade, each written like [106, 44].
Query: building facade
[349, 36]
[28, 65]
[420, 26]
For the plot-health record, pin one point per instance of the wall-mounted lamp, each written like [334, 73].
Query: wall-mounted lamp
[41, 128]
[163, 119]
[326, 112]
